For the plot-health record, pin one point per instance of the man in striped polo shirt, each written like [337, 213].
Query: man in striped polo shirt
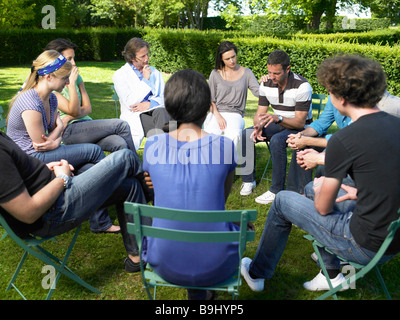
[290, 97]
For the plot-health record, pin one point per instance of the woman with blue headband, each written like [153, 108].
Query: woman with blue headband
[75, 107]
[35, 125]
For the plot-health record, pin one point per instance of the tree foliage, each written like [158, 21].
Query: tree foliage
[110, 13]
[180, 13]
[311, 11]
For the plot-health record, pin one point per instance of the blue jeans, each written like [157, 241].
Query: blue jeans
[332, 230]
[277, 136]
[112, 181]
[110, 134]
[82, 157]
[343, 206]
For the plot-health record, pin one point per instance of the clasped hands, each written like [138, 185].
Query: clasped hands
[61, 167]
[295, 141]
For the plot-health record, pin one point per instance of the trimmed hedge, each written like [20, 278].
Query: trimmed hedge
[385, 37]
[22, 46]
[173, 50]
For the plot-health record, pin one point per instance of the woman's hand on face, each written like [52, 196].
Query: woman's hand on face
[73, 77]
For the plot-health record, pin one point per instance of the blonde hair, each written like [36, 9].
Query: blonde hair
[43, 60]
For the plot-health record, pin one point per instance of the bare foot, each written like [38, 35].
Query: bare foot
[113, 229]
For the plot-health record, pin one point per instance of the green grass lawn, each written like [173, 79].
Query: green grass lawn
[98, 258]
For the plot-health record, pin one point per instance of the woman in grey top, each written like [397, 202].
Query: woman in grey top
[229, 84]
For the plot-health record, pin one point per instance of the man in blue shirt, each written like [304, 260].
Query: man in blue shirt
[316, 133]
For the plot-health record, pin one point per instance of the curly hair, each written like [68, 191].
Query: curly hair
[359, 80]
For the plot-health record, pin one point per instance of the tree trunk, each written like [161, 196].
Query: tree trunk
[330, 14]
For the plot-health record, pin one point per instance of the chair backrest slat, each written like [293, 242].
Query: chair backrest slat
[3, 120]
[240, 216]
[195, 216]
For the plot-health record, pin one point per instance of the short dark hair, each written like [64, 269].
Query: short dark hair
[187, 97]
[279, 57]
[60, 45]
[222, 48]
[359, 80]
[132, 47]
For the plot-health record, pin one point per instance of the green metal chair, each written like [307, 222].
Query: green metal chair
[3, 120]
[318, 102]
[263, 177]
[33, 246]
[115, 97]
[152, 279]
[363, 269]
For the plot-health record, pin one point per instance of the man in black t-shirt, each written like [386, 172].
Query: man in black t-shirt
[46, 200]
[369, 151]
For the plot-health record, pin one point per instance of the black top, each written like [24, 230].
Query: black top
[17, 172]
[369, 150]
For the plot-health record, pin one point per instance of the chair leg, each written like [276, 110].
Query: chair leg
[46, 257]
[378, 273]
[154, 293]
[321, 262]
[267, 166]
[63, 269]
[11, 283]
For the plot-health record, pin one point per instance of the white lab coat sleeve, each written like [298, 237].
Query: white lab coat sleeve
[129, 88]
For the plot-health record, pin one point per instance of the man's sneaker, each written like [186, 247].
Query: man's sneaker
[247, 188]
[254, 284]
[319, 283]
[265, 198]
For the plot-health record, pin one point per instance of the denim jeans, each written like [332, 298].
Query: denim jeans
[277, 136]
[80, 156]
[343, 206]
[110, 134]
[112, 181]
[332, 230]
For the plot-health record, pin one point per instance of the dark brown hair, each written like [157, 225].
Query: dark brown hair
[132, 47]
[60, 45]
[279, 57]
[222, 48]
[359, 80]
[187, 97]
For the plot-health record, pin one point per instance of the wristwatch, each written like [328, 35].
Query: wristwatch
[66, 179]
[280, 119]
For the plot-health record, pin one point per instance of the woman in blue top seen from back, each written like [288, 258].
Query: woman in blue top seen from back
[193, 170]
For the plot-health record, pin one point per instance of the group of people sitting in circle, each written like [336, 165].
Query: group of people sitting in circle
[55, 174]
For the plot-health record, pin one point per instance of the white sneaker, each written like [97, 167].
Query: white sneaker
[265, 198]
[319, 283]
[247, 188]
[254, 284]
